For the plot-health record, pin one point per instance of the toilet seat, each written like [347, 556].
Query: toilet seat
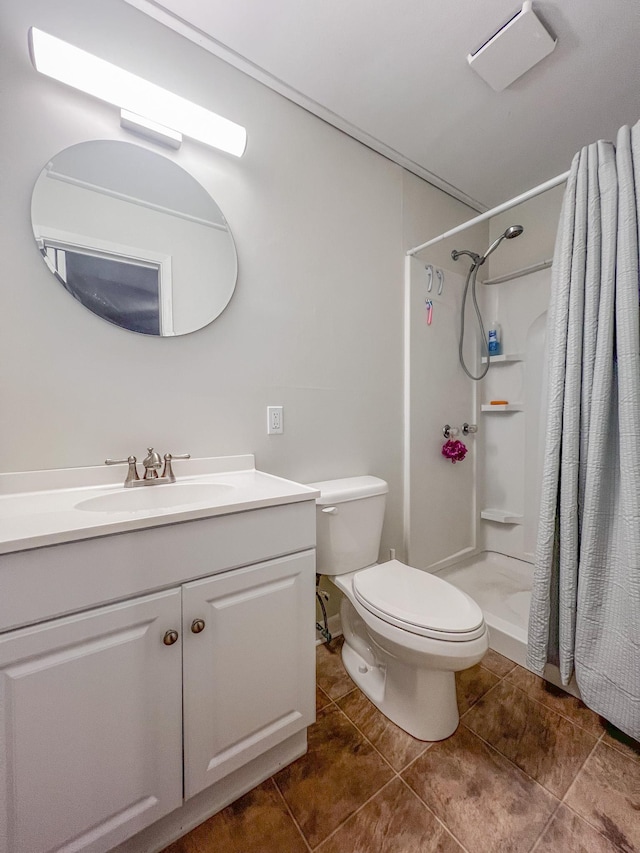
[418, 601]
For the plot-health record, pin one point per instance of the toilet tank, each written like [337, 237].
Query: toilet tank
[349, 515]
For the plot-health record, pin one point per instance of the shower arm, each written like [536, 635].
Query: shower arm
[457, 253]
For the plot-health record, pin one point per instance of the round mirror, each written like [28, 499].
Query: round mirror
[134, 238]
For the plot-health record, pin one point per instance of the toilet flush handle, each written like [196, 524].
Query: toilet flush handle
[331, 510]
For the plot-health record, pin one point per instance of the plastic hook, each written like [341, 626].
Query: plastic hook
[440, 275]
[429, 271]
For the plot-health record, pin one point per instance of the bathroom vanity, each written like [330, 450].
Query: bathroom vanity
[156, 650]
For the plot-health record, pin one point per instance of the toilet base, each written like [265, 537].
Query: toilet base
[420, 701]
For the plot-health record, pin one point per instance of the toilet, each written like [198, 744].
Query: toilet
[406, 632]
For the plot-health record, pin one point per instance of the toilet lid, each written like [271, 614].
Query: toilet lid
[418, 601]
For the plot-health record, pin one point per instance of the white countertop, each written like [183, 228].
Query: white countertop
[39, 508]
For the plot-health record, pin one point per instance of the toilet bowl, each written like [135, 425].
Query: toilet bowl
[406, 632]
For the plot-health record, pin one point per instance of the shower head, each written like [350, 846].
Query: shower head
[511, 232]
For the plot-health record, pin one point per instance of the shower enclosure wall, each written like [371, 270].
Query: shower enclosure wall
[475, 523]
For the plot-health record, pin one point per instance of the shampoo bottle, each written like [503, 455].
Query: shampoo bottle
[495, 339]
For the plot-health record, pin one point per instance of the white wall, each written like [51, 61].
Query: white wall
[510, 467]
[511, 457]
[440, 496]
[320, 224]
[502, 468]
[440, 512]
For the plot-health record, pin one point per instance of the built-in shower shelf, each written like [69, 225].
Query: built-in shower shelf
[502, 516]
[504, 359]
[506, 407]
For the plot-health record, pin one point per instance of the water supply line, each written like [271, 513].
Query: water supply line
[323, 629]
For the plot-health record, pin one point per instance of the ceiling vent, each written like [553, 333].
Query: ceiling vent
[517, 46]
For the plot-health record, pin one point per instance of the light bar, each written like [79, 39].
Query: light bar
[82, 70]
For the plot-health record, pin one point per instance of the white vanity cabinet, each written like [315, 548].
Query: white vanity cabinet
[151, 677]
[90, 715]
[249, 673]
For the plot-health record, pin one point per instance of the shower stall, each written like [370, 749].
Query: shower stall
[474, 523]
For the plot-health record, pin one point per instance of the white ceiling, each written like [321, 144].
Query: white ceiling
[395, 76]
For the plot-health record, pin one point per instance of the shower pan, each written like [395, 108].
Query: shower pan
[501, 585]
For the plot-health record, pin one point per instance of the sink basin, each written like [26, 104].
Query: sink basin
[166, 496]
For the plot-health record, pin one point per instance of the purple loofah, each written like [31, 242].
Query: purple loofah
[454, 450]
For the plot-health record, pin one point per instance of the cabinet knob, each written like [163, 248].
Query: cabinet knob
[197, 626]
[170, 638]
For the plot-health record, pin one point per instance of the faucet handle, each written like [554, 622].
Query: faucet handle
[168, 470]
[132, 473]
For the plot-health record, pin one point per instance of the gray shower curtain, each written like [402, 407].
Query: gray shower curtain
[585, 609]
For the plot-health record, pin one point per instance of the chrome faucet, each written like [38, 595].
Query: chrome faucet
[152, 464]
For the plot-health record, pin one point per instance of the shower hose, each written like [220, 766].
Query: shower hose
[471, 278]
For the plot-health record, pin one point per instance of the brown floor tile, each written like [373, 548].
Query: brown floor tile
[256, 823]
[487, 803]
[398, 747]
[607, 794]
[330, 673]
[569, 832]
[497, 663]
[471, 684]
[394, 821]
[556, 699]
[338, 774]
[322, 700]
[622, 742]
[545, 745]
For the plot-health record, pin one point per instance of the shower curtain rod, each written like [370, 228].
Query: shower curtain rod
[507, 205]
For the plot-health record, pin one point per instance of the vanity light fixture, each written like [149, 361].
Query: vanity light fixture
[146, 108]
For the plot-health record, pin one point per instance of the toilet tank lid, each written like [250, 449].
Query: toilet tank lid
[349, 489]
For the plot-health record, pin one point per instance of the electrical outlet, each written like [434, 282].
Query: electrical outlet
[275, 424]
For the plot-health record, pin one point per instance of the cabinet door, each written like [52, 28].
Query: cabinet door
[90, 717]
[249, 673]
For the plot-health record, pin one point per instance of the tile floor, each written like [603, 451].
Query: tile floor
[529, 769]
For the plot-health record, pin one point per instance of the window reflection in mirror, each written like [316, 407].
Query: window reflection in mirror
[134, 238]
